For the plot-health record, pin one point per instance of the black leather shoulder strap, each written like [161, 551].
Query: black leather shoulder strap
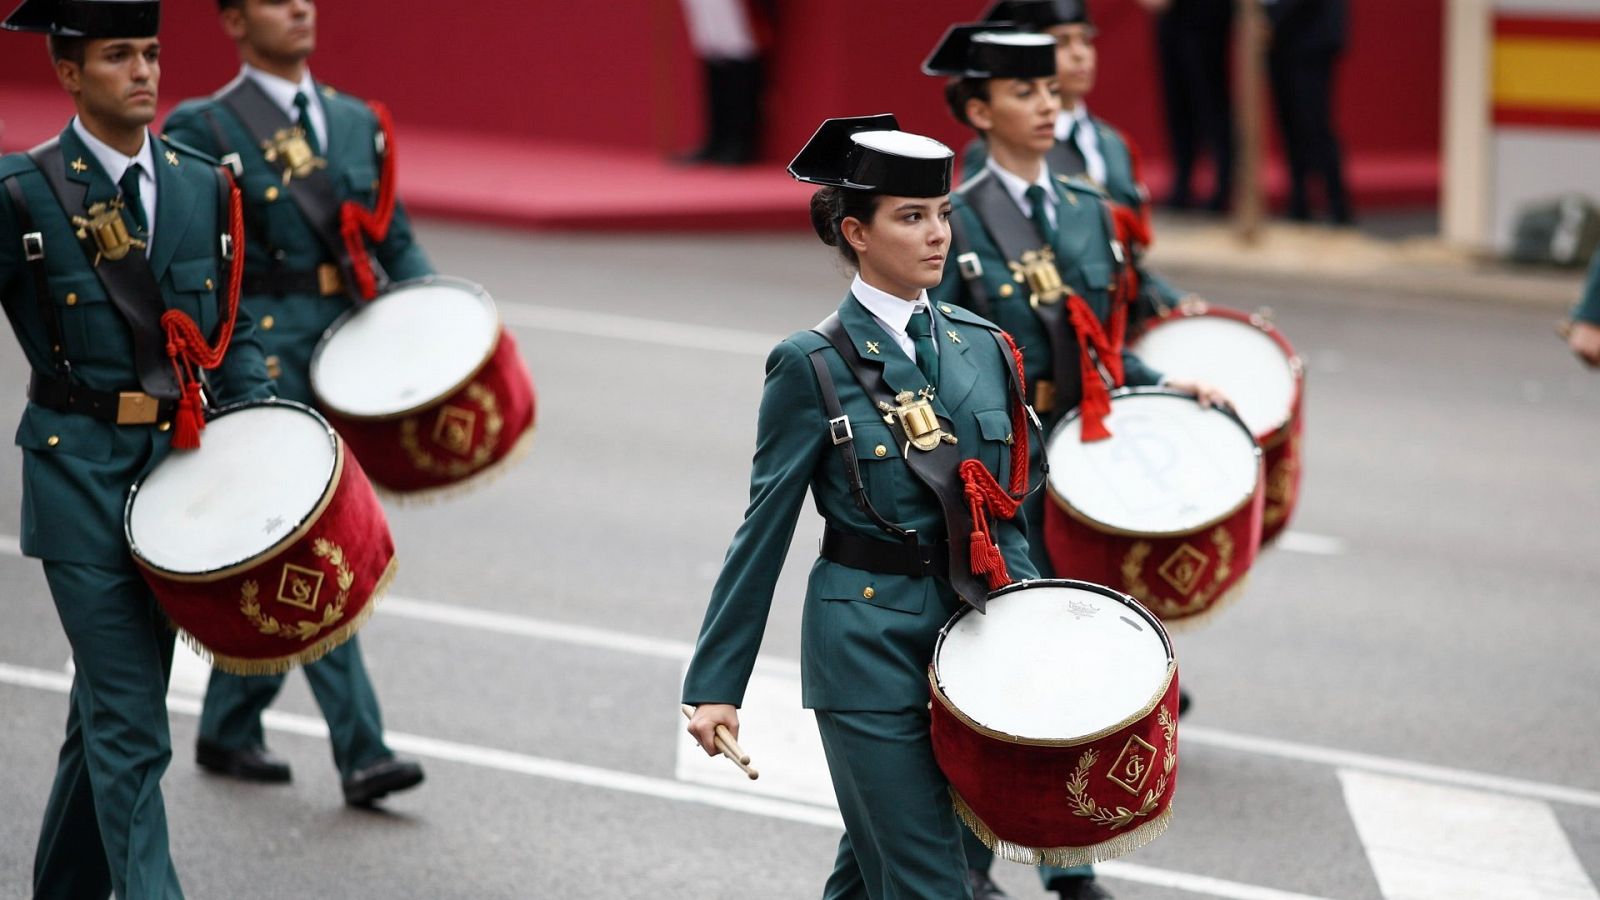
[129, 282]
[33, 251]
[970, 267]
[843, 437]
[1012, 232]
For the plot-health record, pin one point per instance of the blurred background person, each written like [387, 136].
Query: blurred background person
[1583, 335]
[1307, 39]
[1192, 44]
[730, 38]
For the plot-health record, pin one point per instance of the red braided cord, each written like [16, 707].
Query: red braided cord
[985, 497]
[1096, 403]
[355, 221]
[1019, 427]
[1136, 165]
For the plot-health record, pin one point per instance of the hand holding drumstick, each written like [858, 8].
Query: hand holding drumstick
[716, 727]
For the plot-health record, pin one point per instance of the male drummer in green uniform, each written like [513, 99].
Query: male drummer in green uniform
[300, 150]
[1035, 253]
[1583, 333]
[102, 400]
[1086, 146]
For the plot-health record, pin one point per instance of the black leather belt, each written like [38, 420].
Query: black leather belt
[323, 281]
[116, 407]
[885, 557]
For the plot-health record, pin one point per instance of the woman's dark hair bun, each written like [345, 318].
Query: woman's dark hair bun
[825, 214]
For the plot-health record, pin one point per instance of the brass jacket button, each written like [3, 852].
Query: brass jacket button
[867, 594]
[54, 440]
[164, 426]
[267, 322]
[72, 299]
[272, 192]
[880, 451]
[1007, 290]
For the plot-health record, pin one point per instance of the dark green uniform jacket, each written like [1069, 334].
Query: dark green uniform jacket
[76, 469]
[278, 232]
[1588, 308]
[867, 638]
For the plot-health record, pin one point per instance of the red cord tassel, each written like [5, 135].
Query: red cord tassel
[190, 420]
[1096, 403]
[357, 224]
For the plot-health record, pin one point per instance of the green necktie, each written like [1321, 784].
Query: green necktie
[130, 198]
[303, 103]
[1041, 218]
[920, 329]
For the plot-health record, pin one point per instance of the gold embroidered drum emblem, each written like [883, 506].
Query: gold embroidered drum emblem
[1133, 765]
[1183, 568]
[453, 429]
[300, 587]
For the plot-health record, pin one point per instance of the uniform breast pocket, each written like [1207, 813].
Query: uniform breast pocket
[882, 470]
[1096, 276]
[994, 427]
[90, 325]
[194, 281]
[361, 183]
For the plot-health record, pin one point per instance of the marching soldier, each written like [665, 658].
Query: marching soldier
[109, 238]
[1035, 251]
[1088, 146]
[1583, 334]
[301, 150]
[896, 559]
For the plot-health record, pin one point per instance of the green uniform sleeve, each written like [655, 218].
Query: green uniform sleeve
[1135, 373]
[1156, 288]
[187, 125]
[1588, 308]
[789, 440]
[402, 258]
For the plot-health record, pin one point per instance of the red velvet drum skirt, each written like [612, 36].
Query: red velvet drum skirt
[1055, 719]
[1251, 360]
[266, 547]
[427, 386]
[1167, 509]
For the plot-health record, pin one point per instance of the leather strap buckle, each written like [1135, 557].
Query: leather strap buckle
[839, 437]
[33, 246]
[137, 408]
[329, 281]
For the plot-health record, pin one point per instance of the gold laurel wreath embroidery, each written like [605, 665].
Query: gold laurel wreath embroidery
[493, 423]
[1121, 817]
[268, 625]
[1167, 608]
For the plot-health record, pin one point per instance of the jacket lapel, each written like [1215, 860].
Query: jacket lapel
[1073, 230]
[346, 143]
[877, 347]
[174, 208]
[84, 168]
[957, 373]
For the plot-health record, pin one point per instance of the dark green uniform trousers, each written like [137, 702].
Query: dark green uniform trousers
[105, 826]
[902, 839]
[231, 716]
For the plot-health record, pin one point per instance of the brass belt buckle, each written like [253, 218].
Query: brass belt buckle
[329, 281]
[137, 408]
[1044, 396]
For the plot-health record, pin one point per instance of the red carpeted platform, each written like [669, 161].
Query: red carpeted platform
[531, 183]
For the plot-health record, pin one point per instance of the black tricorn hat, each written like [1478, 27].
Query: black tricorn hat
[992, 50]
[1037, 15]
[871, 153]
[87, 18]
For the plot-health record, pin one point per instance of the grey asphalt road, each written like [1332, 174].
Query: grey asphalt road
[1439, 609]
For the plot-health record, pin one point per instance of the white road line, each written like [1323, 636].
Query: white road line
[578, 635]
[10, 545]
[1426, 841]
[1313, 544]
[645, 331]
[630, 783]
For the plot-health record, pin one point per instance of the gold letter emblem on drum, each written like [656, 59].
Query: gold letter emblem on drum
[300, 587]
[1183, 568]
[1133, 765]
[453, 429]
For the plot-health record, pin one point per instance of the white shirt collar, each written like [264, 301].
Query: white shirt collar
[1064, 120]
[1017, 186]
[281, 90]
[114, 162]
[894, 312]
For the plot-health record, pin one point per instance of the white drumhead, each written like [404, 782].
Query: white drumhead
[1052, 662]
[1249, 366]
[1169, 466]
[406, 349]
[260, 471]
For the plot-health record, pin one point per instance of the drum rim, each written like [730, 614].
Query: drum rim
[472, 287]
[1278, 433]
[1067, 507]
[1126, 599]
[301, 529]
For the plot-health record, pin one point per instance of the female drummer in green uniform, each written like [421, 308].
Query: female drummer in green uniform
[896, 562]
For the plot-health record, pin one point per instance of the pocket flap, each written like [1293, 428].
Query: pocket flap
[1097, 275]
[80, 287]
[194, 275]
[896, 592]
[69, 434]
[872, 435]
[361, 179]
[994, 424]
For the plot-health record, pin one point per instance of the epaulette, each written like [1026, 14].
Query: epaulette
[807, 341]
[189, 151]
[966, 316]
[973, 182]
[1083, 186]
[15, 164]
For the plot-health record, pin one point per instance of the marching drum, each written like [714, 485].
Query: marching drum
[1258, 369]
[266, 547]
[1167, 509]
[426, 385]
[1055, 719]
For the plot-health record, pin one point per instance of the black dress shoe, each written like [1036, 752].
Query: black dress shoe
[253, 764]
[381, 779]
[1183, 702]
[1079, 887]
[983, 887]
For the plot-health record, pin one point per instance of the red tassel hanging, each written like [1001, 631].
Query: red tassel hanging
[1096, 403]
[190, 420]
[985, 498]
[357, 225]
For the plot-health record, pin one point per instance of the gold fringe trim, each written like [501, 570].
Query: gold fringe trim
[1226, 599]
[484, 476]
[1062, 857]
[277, 665]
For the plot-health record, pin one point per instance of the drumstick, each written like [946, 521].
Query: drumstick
[729, 747]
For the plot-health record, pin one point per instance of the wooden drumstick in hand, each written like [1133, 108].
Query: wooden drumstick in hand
[729, 747]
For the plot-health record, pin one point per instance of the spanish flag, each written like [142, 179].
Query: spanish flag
[1547, 72]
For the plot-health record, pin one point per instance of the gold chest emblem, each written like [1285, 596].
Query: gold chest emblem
[917, 418]
[289, 147]
[109, 229]
[1037, 269]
